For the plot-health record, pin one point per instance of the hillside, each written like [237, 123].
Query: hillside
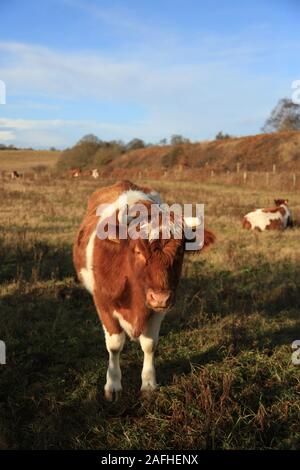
[254, 153]
[258, 152]
[26, 160]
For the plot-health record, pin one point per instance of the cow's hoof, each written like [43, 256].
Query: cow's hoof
[112, 395]
[148, 388]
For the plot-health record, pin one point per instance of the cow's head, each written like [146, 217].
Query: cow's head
[280, 202]
[154, 264]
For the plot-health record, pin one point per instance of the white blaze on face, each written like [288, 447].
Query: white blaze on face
[87, 273]
[260, 219]
[162, 224]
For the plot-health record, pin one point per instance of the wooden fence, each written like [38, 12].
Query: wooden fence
[254, 179]
[281, 181]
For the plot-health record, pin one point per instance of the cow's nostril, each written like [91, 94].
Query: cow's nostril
[159, 298]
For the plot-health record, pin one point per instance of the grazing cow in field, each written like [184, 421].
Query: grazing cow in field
[274, 218]
[14, 175]
[86, 173]
[132, 281]
[95, 173]
[75, 172]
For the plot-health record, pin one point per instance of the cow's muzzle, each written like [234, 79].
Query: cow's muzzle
[159, 300]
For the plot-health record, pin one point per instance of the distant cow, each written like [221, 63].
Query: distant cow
[132, 281]
[93, 173]
[14, 174]
[75, 172]
[274, 218]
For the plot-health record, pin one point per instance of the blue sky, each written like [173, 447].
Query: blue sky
[148, 69]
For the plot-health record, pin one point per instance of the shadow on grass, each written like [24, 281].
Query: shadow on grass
[51, 387]
[266, 288]
[35, 260]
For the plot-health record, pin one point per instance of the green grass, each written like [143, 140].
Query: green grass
[224, 357]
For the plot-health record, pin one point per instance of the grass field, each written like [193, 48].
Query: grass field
[224, 357]
[26, 160]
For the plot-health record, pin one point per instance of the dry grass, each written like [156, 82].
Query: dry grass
[254, 153]
[224, 358]
[25, 160]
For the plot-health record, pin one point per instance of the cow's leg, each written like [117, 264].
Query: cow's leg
[114, 339]
[114, 345]
[148, 340]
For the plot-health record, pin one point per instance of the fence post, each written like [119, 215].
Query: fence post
[274, 168]
[245, 176]
[294, 180]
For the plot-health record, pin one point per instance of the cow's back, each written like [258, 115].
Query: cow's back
[264, 219]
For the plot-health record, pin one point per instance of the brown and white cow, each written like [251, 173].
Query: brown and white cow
[14, 175]
[132, 281]
[93, 173]
[75, 172]
[86, 173]
[274, 218]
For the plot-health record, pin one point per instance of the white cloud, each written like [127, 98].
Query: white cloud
[149, 79]
[6, 136]
[198, 94]
[57, 132]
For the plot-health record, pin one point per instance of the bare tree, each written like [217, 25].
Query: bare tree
[221, 136]
[178, 139]
[135, 144]
[90, 138]
[284, 117]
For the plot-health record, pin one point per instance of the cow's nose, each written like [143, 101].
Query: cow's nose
[159, 299]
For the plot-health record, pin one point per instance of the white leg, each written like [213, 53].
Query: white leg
[148, 341]
[114, 345]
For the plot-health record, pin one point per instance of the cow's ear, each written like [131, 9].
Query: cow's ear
[209, 238]
[191, 224]
[200, 244]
